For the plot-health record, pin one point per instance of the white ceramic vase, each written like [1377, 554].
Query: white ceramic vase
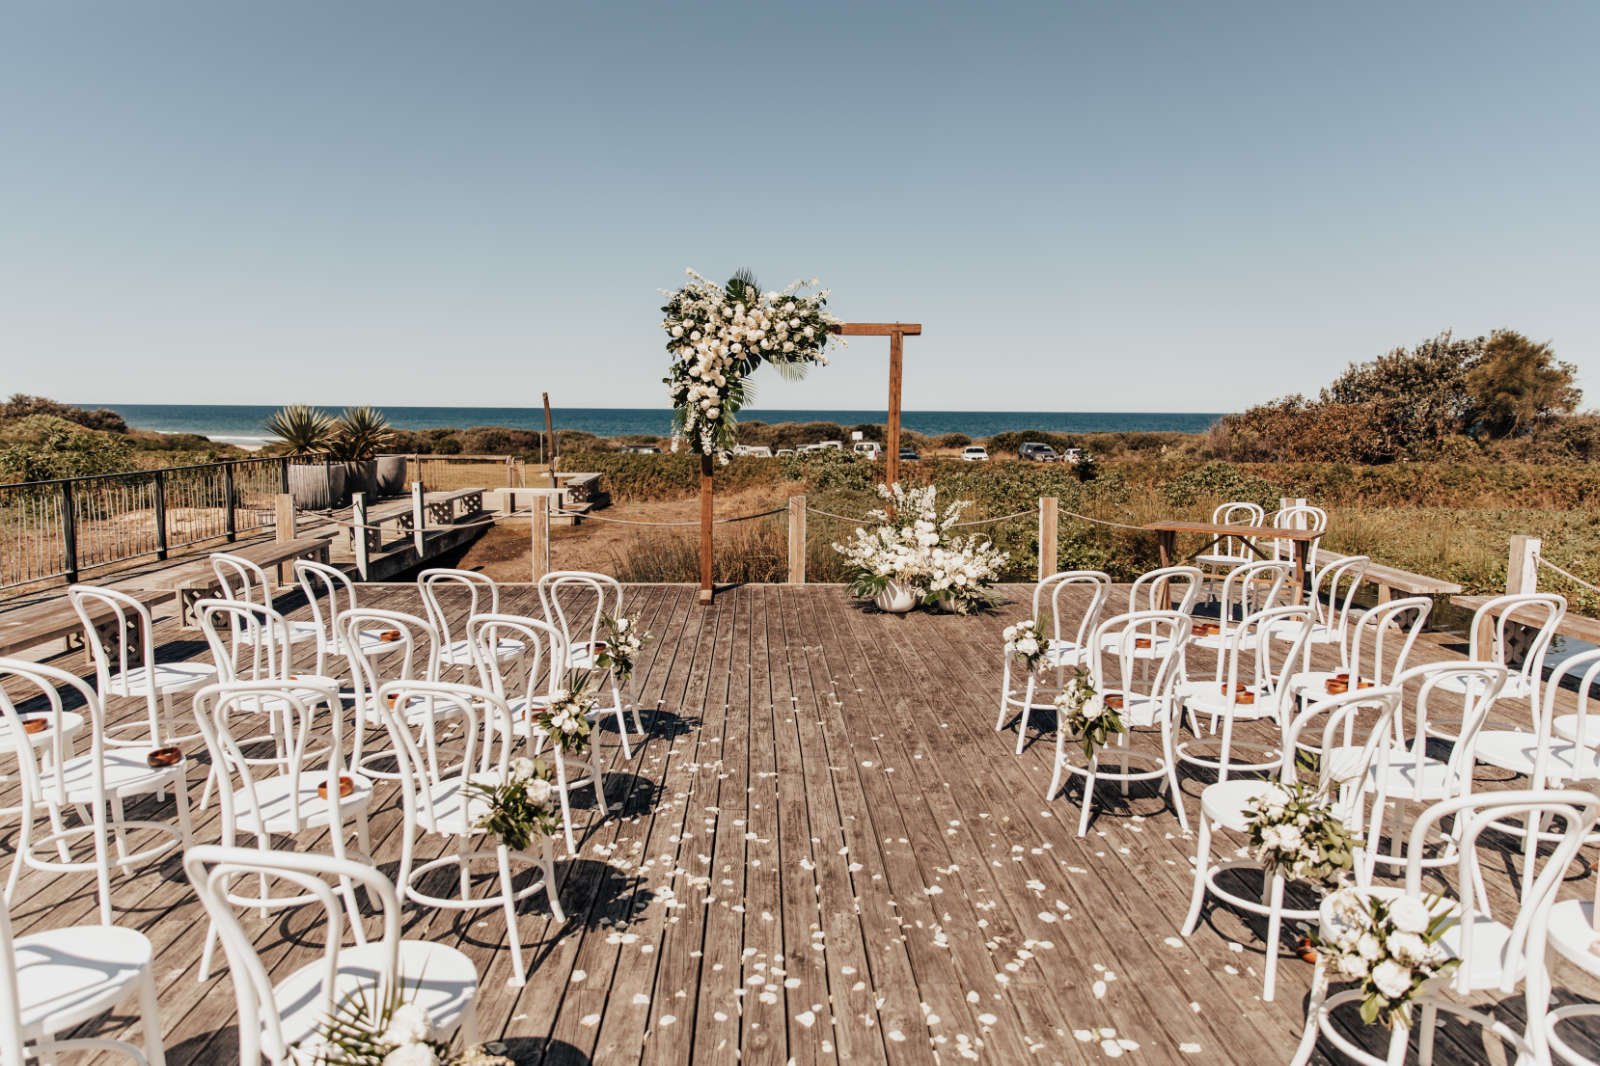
[895, 598]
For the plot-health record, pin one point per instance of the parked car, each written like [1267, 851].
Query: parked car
[1037, 452]
[640, 449]
[908, 454]
[785, 451]
[975, 453]
[831, 446]
[1072, 455]
[868, 449]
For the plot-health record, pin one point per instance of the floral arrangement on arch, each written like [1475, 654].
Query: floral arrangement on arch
[718, 335]
[917, 548]
[369, 1028]
[1388, 944]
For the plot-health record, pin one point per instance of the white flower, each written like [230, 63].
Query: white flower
[1353, 966]
[522, 768]
[1409, 915]
[538, 790]
[411, 1055]
[1368, 947]
[1289, 837]
[409, 1024]
[1392, 979]
[1409, 948]
[1270, 837]
[569, 727]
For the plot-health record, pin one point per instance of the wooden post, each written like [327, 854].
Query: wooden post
[797, 540]
[550, 434]
[1049, 542]
[284, 522]
[541, 536]
[1522, 568]
[896, 350]
[161, 514]
[358, 532]
[232, 520]
[419, 519]
[707, 465]
[69, 533]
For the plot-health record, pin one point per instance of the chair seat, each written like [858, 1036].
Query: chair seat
[1429, 780]
[1111, 643]
[126, 774]
[276, 816]
[71, 725]
[1489, 939]
[1224, 560]
[1225, 802]
[521, 724]
[1514, 750]
[67, 976]
[1572, 932]
[436, 977]
[368, 642]
[1062, 653]
[298, 631]
[1320, 633]
[1206, 697]
[1313, 684]
[167, 677]
[1566, 727]
[461, 653]
[1516, 687]
[1140, 712]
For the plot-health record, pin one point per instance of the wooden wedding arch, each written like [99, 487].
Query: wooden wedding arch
[897, 332]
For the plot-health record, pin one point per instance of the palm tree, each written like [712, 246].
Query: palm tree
[301, 430]
[360, 434]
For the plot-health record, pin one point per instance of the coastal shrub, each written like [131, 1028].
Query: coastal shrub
[43, 447]
[21, 405]
[1217, 483]
[951, 440]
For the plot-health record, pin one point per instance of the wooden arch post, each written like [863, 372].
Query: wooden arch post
[897, 332]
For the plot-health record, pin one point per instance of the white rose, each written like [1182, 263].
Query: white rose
[569, 727]
[1270, 837]
[677, 331]
[1409, 915]
[1409, 948]
[1392, 979]
[1368, 947]
[409, 1024]
[411, 1055]
[538, 790]
[522, 767]
[1353, 966]
[1289, 836]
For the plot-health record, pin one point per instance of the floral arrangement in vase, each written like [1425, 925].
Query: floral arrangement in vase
[518, 807]
[564, 717]
[1390, 944]
[717, 335]
[1091, 717]
[621, 642]
[1294, 829]
[369, 1028]
[914, 556]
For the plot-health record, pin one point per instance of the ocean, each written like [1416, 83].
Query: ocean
[241, 423]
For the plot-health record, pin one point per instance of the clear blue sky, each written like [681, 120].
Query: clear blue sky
[1111, 206]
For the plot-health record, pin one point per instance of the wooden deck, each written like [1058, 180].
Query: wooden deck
[821, 853]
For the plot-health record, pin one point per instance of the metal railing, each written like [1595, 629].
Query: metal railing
[57, 529]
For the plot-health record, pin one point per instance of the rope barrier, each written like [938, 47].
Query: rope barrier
[590, 516]
[1569, 575]
[1105, 522]
[988, 521]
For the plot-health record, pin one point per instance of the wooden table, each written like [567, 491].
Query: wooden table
[27, 627]
[1302, 539]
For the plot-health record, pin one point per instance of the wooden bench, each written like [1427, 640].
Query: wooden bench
[584, 488]
[27, 627]
[198, 580]
[446, 507]
[1391, 579]
[1572, 625]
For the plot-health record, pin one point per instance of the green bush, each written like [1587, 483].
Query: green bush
[1217, 483]
[44, 447]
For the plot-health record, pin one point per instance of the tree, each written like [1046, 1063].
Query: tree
[1414, 399]
[1518, 384]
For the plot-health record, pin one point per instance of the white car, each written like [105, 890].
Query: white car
[975, 453]
[868, 449]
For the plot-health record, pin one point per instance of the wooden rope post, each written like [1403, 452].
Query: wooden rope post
[707, 466]
[284, 520]
[419, 519]
[550, 435]
[1522, 568]
[797, 540]
[358, 534]
[541, 536]
[1049, 540]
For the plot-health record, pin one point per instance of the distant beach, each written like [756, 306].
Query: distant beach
[240, 424]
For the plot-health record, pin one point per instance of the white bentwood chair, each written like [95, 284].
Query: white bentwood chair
[1496, 627]
[56, 783]
[1227, 804]
[330, 593]
[54, 980]
[483, 597]
[274, 1018]
[1149, 638]
[597, 596]
[1063, 652]
[438, 802]
[1375, 651]
[245, 582]
[407, 650]
[1230, 552]
[125, 666]
[489, 630]
[1495, 955]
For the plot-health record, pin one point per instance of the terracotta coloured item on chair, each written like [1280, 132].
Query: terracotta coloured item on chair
[1114, 702]
[1207, 629]
[1241, 695]
[34, 725]
[389, 636]
[1141, 642]
[346, 786]
[164, 757]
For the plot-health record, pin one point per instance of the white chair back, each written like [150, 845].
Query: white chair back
[211, 870]
[1493, 638]
[1357, 721]
[41, 688]
[1256, 657]
[1123, 634]
[407, 649]
[1579, 745]
[1298, 516]
[502, 677]
[1170, 588]
[221, 708]
[1333, 593]
[1381, 641]
[11, 1045]
[1469, 689]
[120, 648]
[483, 597]
[428, 793]
[248, 641]
[241, 579]
[1236, 513]
[576, 600]
[1055, 587]
[330, 593]
[1248, 589]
